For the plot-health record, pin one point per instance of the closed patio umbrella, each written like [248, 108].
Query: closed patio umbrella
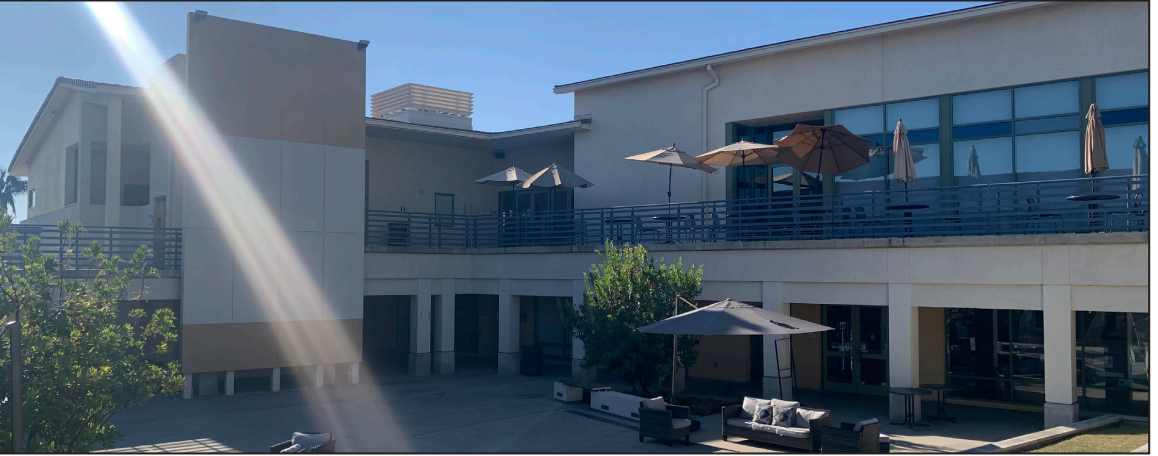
[731, 318]
[974, 168]
[1141, 160]
[557, 177]
[823, 150]
[510, 176]
[903, 171]
[1094, 156]
[672, 157]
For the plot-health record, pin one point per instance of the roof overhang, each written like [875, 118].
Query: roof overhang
[802, 43]
[514, 139]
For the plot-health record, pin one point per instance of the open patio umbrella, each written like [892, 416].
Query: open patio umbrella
[1094, 154]
[740, 154]
[974, 168]
[672, 157]
[823, 150]
[903, 171]
[557, 177]
[511, 176]
[731, 318]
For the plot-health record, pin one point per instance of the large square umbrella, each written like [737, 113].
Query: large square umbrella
[731, 318]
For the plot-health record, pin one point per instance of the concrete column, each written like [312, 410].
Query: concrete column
[275, 380]
[420, 330]
[1061, 402]
[319, 376]
[187, 391]
[904, 355]
[443, 359]
[113, 167]
[207, 383]
[578, 373]
[230, 376]
[354, 373]
[508, 329]
[778, 369]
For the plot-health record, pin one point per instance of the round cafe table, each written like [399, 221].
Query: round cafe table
[910, 394]
[941, 388]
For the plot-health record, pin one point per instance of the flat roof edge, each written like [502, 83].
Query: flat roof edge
[474, 134]
[800, 43]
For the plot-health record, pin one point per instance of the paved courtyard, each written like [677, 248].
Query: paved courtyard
[479, 411]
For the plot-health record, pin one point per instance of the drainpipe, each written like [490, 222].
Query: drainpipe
[704, 195]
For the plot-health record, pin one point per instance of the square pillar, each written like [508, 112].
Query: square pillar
[113, 164]
[187, 391]
[319, 376]
[508, 329]
[354, 373]
[419, 363]
[778, 368]
[1061, 402]
[904, 355]
[578, 373]
[443, 359]
[230, 376]
[275, 380]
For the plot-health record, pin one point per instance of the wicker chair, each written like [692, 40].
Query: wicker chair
[846, 440]
[327, 447]
[657, 424]
[812, 443]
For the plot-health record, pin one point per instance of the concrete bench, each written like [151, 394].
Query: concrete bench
[571, 391]
[616, 403]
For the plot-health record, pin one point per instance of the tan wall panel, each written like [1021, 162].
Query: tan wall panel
[931, 337]
[725, 358]
[304, 343]
[303, 120]
[228, 346]
[806, 348]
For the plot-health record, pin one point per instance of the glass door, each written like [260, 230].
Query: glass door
[856, 350]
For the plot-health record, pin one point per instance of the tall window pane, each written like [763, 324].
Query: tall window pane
[1123, 145]
[1122, 91]
[780, 134]
[916, 114]
[994, 160]
[981, 107]
[1048, 156]
[1046, 99]
[862, 121]
[781, 177]
[927, 164]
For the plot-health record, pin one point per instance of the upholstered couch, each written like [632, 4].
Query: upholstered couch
[804, 434]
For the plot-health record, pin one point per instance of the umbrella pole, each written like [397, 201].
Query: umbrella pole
[669, 189]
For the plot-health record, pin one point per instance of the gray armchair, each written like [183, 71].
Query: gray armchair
[862, 437]
[672, 423]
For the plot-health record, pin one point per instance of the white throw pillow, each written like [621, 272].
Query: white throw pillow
[783, 403]
[309, 441]
[654, 404]
[748, 409]
[803, 416]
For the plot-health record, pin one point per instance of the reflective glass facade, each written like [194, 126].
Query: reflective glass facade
[996, 354]
[1113, 362]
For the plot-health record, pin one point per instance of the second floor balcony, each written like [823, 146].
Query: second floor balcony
[1087, 205]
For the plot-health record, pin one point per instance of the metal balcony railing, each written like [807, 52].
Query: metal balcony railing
[1088, 205]
[115, 241]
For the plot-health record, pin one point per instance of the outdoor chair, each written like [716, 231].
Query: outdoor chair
[672, 422]
[861, 437]
[328, 447]
[642, 233]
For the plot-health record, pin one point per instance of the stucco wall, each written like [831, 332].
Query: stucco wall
[46, 170]
[1057, 41]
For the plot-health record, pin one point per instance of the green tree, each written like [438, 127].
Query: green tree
[83, 361]
[626, 291]
[10, 187]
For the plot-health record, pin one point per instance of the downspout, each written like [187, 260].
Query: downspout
[704, 195]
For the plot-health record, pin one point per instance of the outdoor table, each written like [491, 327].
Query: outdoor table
[909, 395]
[670, 219]
[1091, 198]
[941, 388]
[908, 208]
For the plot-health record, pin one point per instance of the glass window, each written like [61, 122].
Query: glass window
[1122, 91]
[1123, 144]
[1125, 116]
[994, 161]
[443, 203]
[1046, 99]
[917, 114]
[866, 120]
[780, 134]
[1113, 361]
[927, 164]
[1048, 124]
[981, 107]
[1048, 156]
[917, 137]
[781, 177]
[751, 181]
[983, 130]
[996, 354]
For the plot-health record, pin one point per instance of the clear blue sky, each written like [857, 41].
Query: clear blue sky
[509, 55]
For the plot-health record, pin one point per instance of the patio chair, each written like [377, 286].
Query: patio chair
[670, 423]
[328, 447]
[861, 437]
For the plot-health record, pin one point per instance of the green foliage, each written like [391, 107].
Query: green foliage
[626, 291]
[82, 361]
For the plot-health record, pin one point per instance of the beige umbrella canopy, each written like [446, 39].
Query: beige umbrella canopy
[509, 176]
[974, 166]
[671, 157]
[826, 150]
[740, 154]
[555, 176]
[903, 170]
[1094, 156]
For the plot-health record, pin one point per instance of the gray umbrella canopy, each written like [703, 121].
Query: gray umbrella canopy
[509, 176]
[731, 318]
[555, 176]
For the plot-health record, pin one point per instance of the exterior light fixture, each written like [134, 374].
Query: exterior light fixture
[362, 45]
[199, 15]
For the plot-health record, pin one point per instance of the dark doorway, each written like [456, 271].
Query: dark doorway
[476, 332]
[385, 334]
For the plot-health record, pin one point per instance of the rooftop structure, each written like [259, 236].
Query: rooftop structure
[424, 105]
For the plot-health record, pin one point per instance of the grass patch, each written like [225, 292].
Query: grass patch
[1120, 437]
